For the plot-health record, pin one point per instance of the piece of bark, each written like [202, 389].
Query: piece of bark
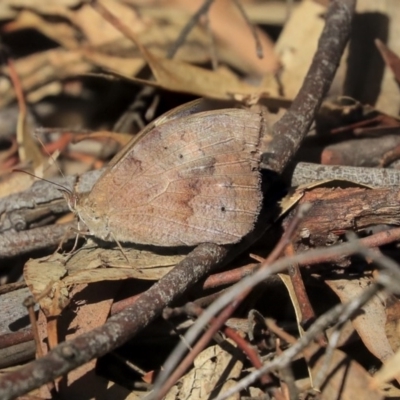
[335, 211]
[14, 315]
[367, 152]
[17, 354]
[306, 173]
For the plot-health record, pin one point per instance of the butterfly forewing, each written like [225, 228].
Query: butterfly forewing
[184, 183]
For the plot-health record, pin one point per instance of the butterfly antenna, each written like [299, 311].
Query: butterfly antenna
[43, 179]
[51, 157]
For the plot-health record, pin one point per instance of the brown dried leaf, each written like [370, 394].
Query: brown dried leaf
[225, 21]
[182, 77]
[389, 371]
[11, 183]
[204, 380]
[391, 59]
[392, 326]
[28, 149]
[297, 308]
[49, 280]
[43, 68]
[60, 32]
[346, 379]
[43, 279]
[99, 32]
[297, 44]
[10, 9]
[90, 309]
[121, 138]
[125, 66]
[370, 322]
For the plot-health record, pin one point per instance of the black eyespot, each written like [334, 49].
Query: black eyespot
[223, 209]
[180, 156]
[165, 148]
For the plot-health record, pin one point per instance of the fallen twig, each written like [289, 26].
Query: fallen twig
[377, 177]
[290, 130]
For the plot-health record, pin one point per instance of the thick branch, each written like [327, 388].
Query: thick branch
[291, 129]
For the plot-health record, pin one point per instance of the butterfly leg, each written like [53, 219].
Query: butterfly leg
[120, 247]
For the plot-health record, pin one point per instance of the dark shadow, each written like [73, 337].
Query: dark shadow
[365, 65]
[20, 323]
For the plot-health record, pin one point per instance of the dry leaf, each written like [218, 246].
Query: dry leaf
[297, 44]
[182, 77]
[297, 308]
[215, 371]
[121, 138]
[370, 322]
[125, 66]
[11, 183]
[50, 280]
[99, 32]
[10, 8]
[90, 309]
[225, 21]
[346, 379]
[389, 371]
[43, 68]
[392, 326]
[28, 149]
[60, 32]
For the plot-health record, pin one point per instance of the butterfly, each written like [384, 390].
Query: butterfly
[186, 181]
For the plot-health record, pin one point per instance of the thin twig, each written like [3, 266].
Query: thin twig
[319, 326]
[213, 51]
[328, 356]
[233, 276]
[259, 49]
[306, 309]
[241, 287]
[173, 366]
[388, 279]
[231, 333]
[29, 303]
[188, 27]
[14, 244]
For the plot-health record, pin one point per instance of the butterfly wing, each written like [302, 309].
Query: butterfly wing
[185, 183]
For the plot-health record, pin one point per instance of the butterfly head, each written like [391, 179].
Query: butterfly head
[87, 211]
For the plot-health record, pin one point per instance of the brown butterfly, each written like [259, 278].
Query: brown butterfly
[185, 182]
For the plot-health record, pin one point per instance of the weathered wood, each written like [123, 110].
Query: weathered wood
[335, 211]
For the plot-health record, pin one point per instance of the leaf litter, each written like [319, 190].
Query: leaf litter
[61, 283]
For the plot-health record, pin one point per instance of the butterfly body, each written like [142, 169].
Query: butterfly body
[185, 182]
